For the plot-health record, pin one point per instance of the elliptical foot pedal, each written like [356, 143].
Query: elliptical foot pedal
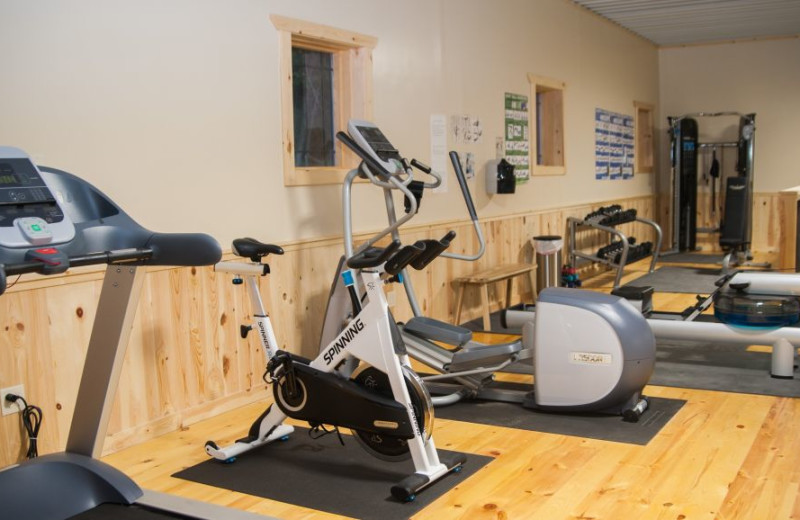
[406, 490]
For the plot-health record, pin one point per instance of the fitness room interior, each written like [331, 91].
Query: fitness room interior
[542, 255]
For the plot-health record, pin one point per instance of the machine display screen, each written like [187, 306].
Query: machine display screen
[8, 178]
[20, 183]
[378, 142]
[375, 137]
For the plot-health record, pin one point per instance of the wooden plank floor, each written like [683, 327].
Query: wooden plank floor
[723, 456]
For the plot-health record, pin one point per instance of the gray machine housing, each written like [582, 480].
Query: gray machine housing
[592, 352]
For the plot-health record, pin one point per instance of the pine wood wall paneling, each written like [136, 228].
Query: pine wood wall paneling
[788, 202]
[767, 225]
[186, 361]
[766, 222]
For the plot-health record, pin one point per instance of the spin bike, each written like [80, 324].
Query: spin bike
[384, 404]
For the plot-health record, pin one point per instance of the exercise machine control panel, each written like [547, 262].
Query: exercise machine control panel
[29, 212]
[371, 139]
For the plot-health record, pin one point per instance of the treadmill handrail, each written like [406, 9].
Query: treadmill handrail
[104, 257]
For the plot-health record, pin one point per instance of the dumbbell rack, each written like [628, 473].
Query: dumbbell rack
[576, 225]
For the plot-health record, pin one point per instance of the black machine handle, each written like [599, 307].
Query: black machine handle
[105, 257]
[462, 182]
[433, 248]
[405, 256]
[373, 256]
[420, 166]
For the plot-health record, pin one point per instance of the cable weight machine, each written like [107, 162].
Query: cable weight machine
[737, 218]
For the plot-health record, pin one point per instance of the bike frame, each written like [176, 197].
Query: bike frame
[368, 338]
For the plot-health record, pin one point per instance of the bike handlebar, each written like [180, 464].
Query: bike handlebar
[405, 256]
[372, 256]
[433, 248]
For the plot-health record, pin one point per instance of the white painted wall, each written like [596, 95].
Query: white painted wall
[761, 77]
[172, 106]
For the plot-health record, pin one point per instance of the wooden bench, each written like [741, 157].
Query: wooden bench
[483, 278]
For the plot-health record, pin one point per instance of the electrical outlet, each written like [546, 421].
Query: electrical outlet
[8, 406]
[391, 299]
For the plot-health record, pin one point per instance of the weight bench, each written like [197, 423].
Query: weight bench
[482, 279]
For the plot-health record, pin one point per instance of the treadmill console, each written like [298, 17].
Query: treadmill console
[372, 140]
[29, 212]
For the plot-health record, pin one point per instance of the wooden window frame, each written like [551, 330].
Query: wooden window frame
[644, 142]
[352, 63]
[552, 114]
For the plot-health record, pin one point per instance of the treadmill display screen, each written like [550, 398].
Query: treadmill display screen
[21, 184]
[8, 178]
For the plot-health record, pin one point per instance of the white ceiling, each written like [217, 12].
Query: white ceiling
[677, 22]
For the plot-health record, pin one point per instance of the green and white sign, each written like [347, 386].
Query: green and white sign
[517, 149]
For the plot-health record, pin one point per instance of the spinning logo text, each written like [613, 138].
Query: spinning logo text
[348, 335]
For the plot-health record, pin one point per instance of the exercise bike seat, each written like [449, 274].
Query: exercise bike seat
[477, 355]
[435, 330]
[253, 249]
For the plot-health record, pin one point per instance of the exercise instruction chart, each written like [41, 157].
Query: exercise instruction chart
[517, 136]
[613, 145]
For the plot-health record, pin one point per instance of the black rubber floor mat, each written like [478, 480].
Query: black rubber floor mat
[324, 475]
[725, 368]
[691, 258]
[589, 425]
[120, 512]
[679, 280]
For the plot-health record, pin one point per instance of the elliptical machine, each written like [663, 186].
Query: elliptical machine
[361, 379]
[605, 344]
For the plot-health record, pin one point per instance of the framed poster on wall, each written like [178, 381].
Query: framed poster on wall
[613, 145]
[517, 150]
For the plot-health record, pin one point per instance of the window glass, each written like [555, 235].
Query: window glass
[313, 95]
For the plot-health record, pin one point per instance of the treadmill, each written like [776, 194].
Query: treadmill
[51, 221]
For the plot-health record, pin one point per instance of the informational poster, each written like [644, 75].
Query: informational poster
[613, 145]
[467, 129]
[517, 136]
[439, 149]
[469, 166]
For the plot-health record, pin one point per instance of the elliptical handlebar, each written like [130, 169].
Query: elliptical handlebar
[378, 156]
[424, 168]
[369, 167]
[392, 182]
[473, 215]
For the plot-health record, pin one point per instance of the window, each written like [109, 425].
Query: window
[312, 96]
[643, 142]
[547, 126]
[326, 80]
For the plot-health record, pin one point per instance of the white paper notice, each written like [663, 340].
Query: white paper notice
[439, 149]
